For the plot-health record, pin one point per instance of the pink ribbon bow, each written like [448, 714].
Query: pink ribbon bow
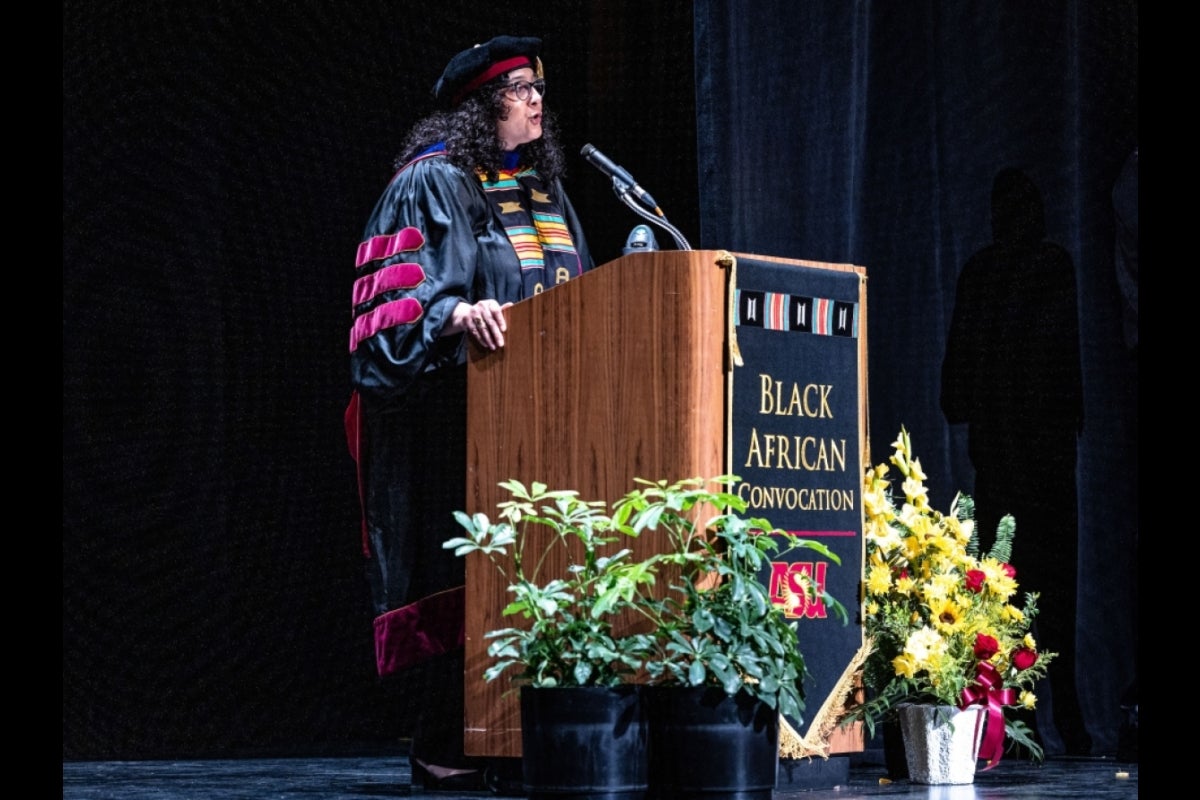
[987, 691]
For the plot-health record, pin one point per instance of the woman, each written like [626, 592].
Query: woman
[474, 220]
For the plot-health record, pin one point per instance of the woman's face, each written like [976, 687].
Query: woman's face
[524, 118]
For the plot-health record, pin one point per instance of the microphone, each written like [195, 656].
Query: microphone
[605, 165]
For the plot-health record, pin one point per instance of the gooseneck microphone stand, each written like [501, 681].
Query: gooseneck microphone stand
[624, 192]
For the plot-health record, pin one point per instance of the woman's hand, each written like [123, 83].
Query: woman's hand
[483, 321]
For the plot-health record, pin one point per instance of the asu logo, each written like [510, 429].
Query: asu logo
[799, 587]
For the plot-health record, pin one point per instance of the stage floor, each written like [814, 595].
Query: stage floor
[369, 778]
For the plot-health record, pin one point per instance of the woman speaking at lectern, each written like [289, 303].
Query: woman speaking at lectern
[475, 218]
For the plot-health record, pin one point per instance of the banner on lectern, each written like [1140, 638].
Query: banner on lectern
[796, 442]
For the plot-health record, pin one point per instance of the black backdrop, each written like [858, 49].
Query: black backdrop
[219, 160]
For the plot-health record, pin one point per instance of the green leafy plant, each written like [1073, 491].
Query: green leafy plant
[565, 633]
[717, 625]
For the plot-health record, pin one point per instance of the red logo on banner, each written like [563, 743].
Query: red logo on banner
[798, 587]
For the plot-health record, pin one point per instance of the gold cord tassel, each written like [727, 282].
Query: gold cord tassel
[726, 260]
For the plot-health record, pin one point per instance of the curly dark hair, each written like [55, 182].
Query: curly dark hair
[469, 133]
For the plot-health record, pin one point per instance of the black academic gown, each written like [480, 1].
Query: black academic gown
[437, 237]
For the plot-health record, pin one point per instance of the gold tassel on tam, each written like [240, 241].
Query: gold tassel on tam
[828, 717]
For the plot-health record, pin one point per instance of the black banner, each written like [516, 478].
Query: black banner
[796, 443]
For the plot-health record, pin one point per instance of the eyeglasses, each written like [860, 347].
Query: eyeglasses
[523, 90]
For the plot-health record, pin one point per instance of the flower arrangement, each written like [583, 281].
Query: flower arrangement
[942, 620]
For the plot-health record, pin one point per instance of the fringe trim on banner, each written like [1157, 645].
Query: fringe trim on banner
[725, 260]
[829, 716]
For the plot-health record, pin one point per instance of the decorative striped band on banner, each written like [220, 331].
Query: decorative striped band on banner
[775, 311]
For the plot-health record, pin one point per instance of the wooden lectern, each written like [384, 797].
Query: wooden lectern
[619, 374]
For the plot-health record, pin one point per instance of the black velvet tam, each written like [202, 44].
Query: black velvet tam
[477, 65]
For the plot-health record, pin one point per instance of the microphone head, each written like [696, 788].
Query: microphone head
[641, 239]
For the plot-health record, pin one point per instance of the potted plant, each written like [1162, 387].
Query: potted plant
[726, 659]
[948, 639]
[574, 675]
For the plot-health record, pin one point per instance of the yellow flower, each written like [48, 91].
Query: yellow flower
[1028, 641]
[905, 584]
[911, 549]
[879, 580]
[872, 608]
[916, 493]
[959, 529]
[912, 518]
[934, 666]
[947, 616]
[998, 581]
[925, 645]
[904, 665]
[877, 529]
[915, 472]
[942, 585]
[882, 537]
[941, 545]
[875, 499]
[1012, 614]
[1028, 699]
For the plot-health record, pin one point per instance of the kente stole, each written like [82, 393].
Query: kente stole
[534, 223]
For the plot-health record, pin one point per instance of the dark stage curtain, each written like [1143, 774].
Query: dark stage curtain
[872, 133]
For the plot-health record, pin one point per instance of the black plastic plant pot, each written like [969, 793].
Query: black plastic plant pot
[588, 743]
[708, 745]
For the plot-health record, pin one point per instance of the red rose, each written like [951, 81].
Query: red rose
[1023, 658]
[975, 578]
[986, 646]
[1009, 570]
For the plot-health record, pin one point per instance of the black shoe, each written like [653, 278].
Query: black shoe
[503, 777]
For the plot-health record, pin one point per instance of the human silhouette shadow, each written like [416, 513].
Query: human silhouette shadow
[1012, 374]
